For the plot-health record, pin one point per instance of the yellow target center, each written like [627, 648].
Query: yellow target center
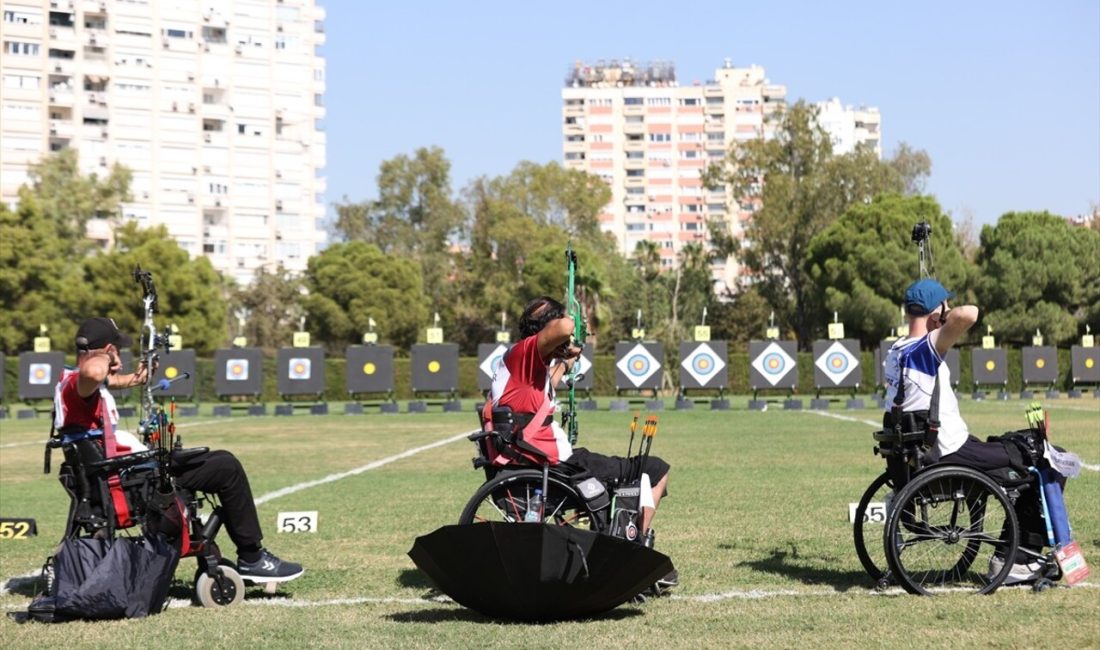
[236, 370]
[1090, 362]
[368, 368]
[990, 365]
[171, 372]
[433, 367]
[39, 374]
[704, 364]
[1039, 363]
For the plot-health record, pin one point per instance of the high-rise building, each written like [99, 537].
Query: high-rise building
[214, 105]
[651, 137]
[850, 126]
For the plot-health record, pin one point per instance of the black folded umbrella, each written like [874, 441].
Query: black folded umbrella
[536, 572]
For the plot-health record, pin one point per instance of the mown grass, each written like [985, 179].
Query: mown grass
[757, 511]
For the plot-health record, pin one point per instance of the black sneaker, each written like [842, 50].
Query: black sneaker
[269, 569]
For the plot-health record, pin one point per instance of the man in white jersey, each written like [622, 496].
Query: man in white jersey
[917, 361]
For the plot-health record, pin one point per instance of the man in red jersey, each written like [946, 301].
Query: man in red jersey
[525, 382]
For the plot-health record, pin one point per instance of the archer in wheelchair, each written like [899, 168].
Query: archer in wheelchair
[533, 472]
[961, 514]
[116, 482]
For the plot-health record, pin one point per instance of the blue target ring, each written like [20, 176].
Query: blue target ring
[495, 363]
[703, 364]
[836, 362]
[637, 365]
[774, 364]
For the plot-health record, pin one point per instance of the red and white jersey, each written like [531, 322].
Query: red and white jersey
[523, 383]
[72, 410]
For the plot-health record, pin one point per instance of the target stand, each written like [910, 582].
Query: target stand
[238, 380]
[1040, 366]
[300, 379]
[638, 370]
[39, 372]
[369, 379]
[1085, 362]
[836, 366]
[989, 368]
[586, 374]
[434, 377]
[704, 371]
[773, 366]
[178, 368]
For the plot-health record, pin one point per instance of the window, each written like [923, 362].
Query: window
[689, 101]
[213, 34]
[635, 173]
[716, 137]
[691, 225]
[660, 137]
[23, 16]
[23, 81]
[635, 119]
[318, 99]
[574, 155]
[715, 101]
[658, 101]
[20, 48]
[632, 101]
[61, 54]
[635, 227]
[176, 33]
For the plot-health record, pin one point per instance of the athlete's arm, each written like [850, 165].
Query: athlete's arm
[959, 322]
[553, 336]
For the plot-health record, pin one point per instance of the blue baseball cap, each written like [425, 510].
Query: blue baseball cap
[923, 296]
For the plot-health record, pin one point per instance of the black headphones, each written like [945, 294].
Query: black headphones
[82, 343]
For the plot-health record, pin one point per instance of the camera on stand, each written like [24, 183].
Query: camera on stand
[922, 232]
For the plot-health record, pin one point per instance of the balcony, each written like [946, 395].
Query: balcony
[61, 97]
[61, 129]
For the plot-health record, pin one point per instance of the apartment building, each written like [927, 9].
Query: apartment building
[215, 105]
[850, 126]
[650, 137]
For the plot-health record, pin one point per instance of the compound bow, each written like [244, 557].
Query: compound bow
[580, 333]
[155, 426]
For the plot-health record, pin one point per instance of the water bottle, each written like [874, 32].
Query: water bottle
[534, 508]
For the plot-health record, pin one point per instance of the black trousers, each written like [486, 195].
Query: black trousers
[220, 473]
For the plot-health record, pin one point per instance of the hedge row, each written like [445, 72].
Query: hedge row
[604, 379]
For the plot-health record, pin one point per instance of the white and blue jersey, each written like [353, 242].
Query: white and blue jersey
[918, 362]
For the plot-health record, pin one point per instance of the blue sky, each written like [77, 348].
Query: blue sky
[1004, 96]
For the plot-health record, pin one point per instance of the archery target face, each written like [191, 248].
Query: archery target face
[39, 374]
[773, 363]
[492, 361]
[703, 364]
[298, 368]
[638, 365]
[837, 362]
[236, 369]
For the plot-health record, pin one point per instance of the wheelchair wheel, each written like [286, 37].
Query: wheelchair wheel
[223, 590]
[506, 498]
[945, 527]
[866, 528]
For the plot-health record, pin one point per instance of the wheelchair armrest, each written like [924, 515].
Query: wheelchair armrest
[903, 438]
[121, 462]
[478, 435]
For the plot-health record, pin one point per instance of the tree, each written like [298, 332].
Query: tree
[514, 218]
[70, 199]
[414, 216]
[914, 166]
[862, 263]
[742, 318]
[1038, 272]
[271, 307]
[38, 286]
[190, 292]
[350, 284]
[801, 188]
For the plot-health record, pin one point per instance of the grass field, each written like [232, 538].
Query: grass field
[756, 523]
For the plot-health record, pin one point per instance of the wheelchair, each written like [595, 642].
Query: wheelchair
[946, 527]
[567, 495]
[154, 505]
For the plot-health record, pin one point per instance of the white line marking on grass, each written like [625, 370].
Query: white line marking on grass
[270, 496]
[22, 444]
[845, 418]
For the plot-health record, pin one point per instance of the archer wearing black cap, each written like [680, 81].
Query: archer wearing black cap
[83, 403]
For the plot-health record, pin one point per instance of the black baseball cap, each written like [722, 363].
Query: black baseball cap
[96, 333]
